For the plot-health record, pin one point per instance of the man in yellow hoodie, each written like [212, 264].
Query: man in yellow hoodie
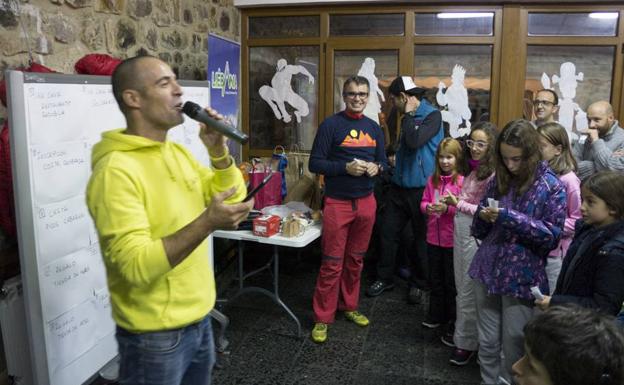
[154, 205]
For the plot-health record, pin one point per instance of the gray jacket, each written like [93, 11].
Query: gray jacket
[597, 155]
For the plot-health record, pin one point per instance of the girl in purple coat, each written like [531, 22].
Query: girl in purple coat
[519, 221]
[445, 179]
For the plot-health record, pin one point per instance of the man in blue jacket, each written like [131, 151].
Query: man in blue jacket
[421, 132]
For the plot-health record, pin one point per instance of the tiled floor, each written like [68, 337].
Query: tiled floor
[393, 349]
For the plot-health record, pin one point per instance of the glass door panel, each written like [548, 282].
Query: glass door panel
[380, 67]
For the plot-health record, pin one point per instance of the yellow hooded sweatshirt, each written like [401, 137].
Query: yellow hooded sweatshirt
[140, 192]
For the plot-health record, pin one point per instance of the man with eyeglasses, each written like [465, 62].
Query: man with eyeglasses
[421, 132]
[604, 147]
[545, 106]
[349, 151]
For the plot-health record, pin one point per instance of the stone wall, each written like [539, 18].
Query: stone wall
[59, 32]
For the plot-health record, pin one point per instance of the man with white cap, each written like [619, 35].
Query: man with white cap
[421, 132]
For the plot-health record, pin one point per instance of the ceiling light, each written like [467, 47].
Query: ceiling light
[604, 15]
[464, 15]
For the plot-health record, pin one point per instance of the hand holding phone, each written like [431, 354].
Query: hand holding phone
[492, 203]
[260, 185]
[450, 199]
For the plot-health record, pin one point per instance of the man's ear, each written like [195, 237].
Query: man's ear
[131, 98]
[555, 109]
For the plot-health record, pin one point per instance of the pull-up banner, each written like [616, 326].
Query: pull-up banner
[223, 73]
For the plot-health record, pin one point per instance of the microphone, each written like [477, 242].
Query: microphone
[195, 112]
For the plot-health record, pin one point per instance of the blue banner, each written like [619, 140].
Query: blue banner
[223, 73]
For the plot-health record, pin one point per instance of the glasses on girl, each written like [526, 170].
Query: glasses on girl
[478, 144]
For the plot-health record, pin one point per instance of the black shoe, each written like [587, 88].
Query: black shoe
[430, 324]
[414, 296]
[378, 287]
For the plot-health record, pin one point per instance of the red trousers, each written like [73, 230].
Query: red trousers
[347, 227]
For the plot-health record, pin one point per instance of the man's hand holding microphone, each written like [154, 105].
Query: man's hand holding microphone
[220, 214]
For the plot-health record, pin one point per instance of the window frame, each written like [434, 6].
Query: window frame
[509, 53]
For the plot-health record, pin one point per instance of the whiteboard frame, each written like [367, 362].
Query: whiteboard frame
[24, 210]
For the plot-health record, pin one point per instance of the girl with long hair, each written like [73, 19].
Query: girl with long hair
[555, 148]
[519, 221]
[480, 162]
[446, 179]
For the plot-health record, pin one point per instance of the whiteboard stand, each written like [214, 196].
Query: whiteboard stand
[110, 372]
[13, 325]
[55, 120]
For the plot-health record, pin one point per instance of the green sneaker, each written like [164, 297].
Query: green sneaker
[319, 333]
[357, 318]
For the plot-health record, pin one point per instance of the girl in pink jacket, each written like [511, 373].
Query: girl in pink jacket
[446, 178]
[555, 148]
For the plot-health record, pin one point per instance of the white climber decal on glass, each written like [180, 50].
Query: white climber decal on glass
[281, 92]
[373, 107]
[569, 111]
[455, 99]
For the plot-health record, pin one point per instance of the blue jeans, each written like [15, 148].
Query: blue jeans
[173, 357]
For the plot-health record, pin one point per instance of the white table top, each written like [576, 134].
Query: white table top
[311, 233]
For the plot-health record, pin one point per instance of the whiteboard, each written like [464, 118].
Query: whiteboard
[55, 120]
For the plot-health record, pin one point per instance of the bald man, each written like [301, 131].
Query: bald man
[153, 206]
[604, 137]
